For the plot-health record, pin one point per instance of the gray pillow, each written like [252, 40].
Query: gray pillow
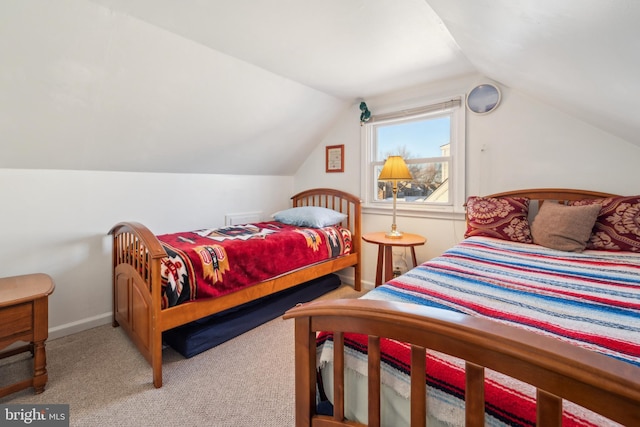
[310, 216]
[565, 228]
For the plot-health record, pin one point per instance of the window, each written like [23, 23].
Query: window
[431, 141]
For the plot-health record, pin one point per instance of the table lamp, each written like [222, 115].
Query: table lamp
[394, 170]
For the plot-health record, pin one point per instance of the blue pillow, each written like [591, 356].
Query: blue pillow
[310, 216]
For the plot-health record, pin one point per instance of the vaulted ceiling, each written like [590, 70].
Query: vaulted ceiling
[346, 49]
[219, 86]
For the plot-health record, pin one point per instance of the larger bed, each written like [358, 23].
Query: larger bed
[512, 327]
[163, 282]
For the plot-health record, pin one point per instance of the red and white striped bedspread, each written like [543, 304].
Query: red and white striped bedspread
[590, 299]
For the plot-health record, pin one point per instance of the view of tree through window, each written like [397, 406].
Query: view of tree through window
[425, 145]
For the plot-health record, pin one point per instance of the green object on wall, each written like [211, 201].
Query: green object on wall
[365, 115]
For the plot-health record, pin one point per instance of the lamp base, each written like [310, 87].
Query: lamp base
[394, 234]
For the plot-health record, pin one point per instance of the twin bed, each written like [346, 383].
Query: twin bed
[164, 282]
[498, 330]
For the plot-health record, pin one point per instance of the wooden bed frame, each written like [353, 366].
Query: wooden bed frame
[558, 370]
[137, 287]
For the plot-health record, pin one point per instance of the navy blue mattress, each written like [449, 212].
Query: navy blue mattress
[195, 337]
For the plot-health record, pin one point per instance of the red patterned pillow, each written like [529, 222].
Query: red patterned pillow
[504, 218]
[618, 225]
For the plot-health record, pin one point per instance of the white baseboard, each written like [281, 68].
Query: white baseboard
[348, 279]
[80, 325]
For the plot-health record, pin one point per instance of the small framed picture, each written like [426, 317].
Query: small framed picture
[335, 158]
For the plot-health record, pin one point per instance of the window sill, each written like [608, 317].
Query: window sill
[417, 212]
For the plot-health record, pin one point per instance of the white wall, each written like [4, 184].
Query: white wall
[522, 144]
[56, 222]
[81, 84]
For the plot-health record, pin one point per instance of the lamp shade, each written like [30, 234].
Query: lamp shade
[395, 169]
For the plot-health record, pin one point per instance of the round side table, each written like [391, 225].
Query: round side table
[385, 257]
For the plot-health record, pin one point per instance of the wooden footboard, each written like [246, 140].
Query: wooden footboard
[137, 287]
[137, 299]
[558, 370]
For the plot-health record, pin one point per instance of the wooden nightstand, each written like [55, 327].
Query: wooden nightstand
[24, 316]
[385, 257]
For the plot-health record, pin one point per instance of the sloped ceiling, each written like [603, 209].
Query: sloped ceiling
[250, 86]
[581, 56]
[346, 49]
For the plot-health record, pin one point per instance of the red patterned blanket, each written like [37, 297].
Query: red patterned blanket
[214, 262]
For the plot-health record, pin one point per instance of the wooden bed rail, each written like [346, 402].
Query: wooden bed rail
[557, 369]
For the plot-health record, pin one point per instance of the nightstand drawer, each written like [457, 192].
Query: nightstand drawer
[16, 319]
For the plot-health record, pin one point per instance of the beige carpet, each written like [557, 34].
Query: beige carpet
[248, 381]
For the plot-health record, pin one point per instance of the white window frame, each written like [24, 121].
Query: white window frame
[457, 191]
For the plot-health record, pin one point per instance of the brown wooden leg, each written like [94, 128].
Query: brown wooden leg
[40, 334]
[380, 265]
[413, 256]
[39, 367]
[156, 358]
[357, 276]
[305, 368]
[388, 263]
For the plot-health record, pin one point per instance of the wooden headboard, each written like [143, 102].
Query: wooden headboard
[538, 196]
[337, 200]
[561, 195]
[345, 203]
